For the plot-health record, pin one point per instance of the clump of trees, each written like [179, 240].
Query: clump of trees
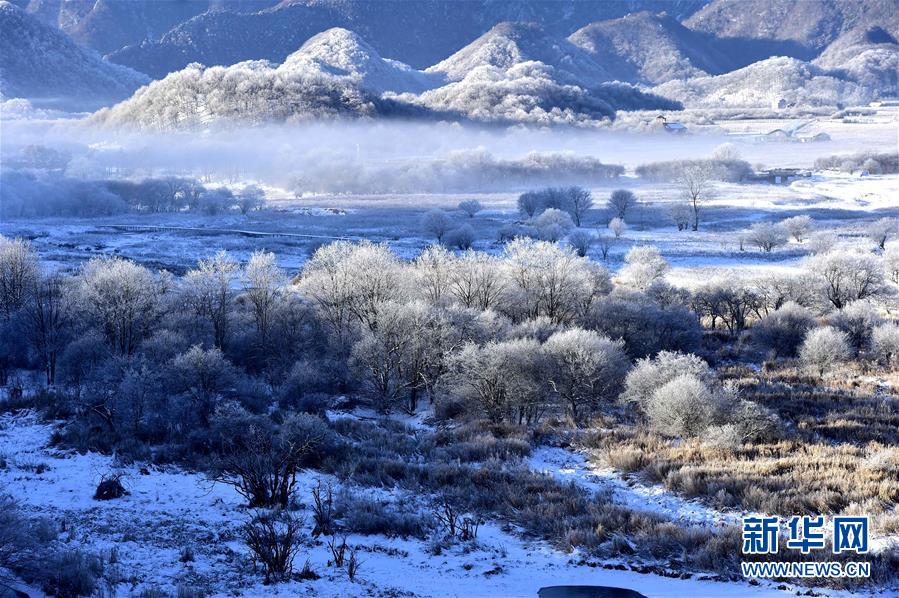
[575, 201]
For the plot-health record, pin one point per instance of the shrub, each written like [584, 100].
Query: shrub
[684, 406]
[767, 235]
[72, 574]
[462, 237]
[782, 331]
[617, 226]
[581, 241]
[857, 320]
[798, 227]
[885, 345]
[825, 348]
[621, 201]
[436, 222]
[553, 224]
[651, 374]
[274, 539]
[365, 515]
[110, 487]
[470, 207]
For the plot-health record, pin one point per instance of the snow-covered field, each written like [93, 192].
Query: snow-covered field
[168, 510]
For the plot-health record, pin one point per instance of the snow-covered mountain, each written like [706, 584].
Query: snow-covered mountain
[510, 44]
[342, 53]
[764, 83]
[649, 48]
[40, 62]
[809, 24]
[867, 56]
[418, 33]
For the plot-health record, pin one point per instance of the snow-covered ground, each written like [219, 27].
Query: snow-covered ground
[168, 509]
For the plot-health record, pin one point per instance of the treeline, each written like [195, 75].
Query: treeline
[27, 195]
[871, 161]
[731, 170]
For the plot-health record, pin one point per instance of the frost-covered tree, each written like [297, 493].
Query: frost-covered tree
[546, 280]
[645, 326]
[121, 298]
[847, 276]
[553, 224]
[202, 375]
[882, 230]
[767, 235]
[885, 345]
[49, 319]
[891, 263]
[731, 302]
[695, 182]
[262, 280]
[644, 265]
[436, 222]
[470, 207]
[798, 227]
[207, 291]
[621, 201]
[250, 198]
[530, 203]
[825, 348]
[431, 272]
[584, 369]
[500, 379]
[822, 242]
[578, 201]
[477, 280]
[617, 226]
[783, 330]
[19, 271]
[681, 214]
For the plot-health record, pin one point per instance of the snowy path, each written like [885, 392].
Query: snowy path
[568, 465]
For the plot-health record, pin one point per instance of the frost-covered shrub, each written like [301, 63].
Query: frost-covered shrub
[847, 276]
[683, 406]
[723, 170]
[72, 573]
[644, 266]
[651, 374]
[825, 348]
[767, 235]
[584, 369]
[857, 320]
[888, 161]
[885, 345]
[822, 242]
[783, 330]
[462, 237]
[891, 263]
[798, 227]
[645, 326]
[437, 223]
[553, 224]
[274, 538]
[617, 226]
[470, 207]
[364, 515]
[880, 231]
[581, 241]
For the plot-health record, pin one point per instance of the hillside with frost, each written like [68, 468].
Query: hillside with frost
[38, 61]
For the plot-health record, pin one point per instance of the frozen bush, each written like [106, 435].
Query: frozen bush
[581, 241]
[553, 224]
[470, 207]
[363, 515]
[462, 237]
[882, 230]
[885, 345]
[644, 266]
[822, 242]
[617, 226]
[645, 326]
[891, 263]
[72, 574]
[824, 349]
[683, 406]
[437, 223]
[783, 330]
[798, 227]
[767, 236]
[857, 320]
[250, 198]
[530, 203]
[650, 374]
[274, 539]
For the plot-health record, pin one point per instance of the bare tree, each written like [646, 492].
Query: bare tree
[49, 318]
[881, 230]
[436, 222]
[621, 201]
[262, 281]
[578, 201]
[470, 207]
[695, 182]
[250, 198]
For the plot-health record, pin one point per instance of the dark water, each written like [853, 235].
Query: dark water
[587, 592]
